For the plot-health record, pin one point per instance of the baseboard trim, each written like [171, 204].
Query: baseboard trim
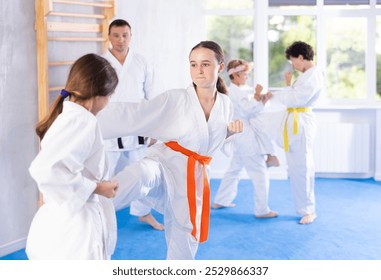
[377, 176]
[12, 247]
[274, 174]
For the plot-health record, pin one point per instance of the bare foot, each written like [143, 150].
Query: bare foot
[271, 214]
[218, 206]
[272, 161]
[149, 219]
[307, 219]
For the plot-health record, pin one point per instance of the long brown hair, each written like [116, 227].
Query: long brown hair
[91, 75]
[219, 54]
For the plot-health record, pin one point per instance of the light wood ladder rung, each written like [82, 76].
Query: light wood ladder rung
[60, 63]
[73, 27]
[78, 39]
[94, 4]
[56, 88]
[62, 14]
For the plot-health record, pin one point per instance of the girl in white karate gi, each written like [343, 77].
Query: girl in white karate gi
[300, 126]
[77, 218]
[192, 123]
[253, 149]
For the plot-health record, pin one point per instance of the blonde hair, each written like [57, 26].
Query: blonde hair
[237, 65]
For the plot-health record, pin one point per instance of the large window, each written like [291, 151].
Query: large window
[230, 23]
[345, 51]
[282, 31]
[346, 35]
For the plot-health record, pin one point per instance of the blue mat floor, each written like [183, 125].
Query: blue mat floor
[348, 227]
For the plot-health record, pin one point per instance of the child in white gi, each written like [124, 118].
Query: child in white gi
[253, 149]
[300, 127]
[77, 218]
[192, 124]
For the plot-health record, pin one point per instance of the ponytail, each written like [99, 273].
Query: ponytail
[56, 109]
[221, 86]
[91, 75]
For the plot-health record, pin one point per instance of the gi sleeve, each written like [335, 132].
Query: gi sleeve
[58, 168]
[155, 118]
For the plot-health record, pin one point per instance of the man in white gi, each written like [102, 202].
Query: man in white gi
[300, 127]
[135, 83]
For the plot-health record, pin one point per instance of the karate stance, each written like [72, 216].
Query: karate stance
[135, 83]
[77, 218]
[192, 123]
[300, 126]
[252, 148]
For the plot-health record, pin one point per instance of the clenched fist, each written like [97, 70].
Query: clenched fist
[107, 188]
[235, 127]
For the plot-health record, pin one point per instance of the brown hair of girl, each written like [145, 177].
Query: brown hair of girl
[91, 75]
[219, 54]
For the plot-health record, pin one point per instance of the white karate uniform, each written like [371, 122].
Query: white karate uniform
[175, 115]
[250, 148]
[136, 82]
[304, 92]
[73, 222]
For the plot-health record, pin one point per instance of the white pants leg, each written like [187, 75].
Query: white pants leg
[137, 207]
[302, 176]
[135, 181]
[258, 172]
[228, 188]
[113, 159]
[181, 245]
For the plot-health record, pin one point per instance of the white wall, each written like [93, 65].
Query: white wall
[164, 31]
[18, 114]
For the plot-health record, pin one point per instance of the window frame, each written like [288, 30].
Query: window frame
[262, 11]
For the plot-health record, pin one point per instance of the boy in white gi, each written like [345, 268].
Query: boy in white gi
[136, 82]
[192, 124]
[300, 127]
[77, 218]
[253, 149]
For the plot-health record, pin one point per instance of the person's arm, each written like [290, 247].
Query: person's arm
[149, 87]
[250, 106]
[257, 93]
[288, 78]
[156, 118]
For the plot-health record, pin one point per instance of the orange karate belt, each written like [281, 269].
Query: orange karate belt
[295, 112]
[191, 189]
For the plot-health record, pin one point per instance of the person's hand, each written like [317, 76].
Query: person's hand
[107, 188]
[235, 127]
[151, 142]
[257, 94]
[288, 78]
[266, 97]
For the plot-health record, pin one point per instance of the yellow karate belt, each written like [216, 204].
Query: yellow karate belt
[295, 111]
[191, 189]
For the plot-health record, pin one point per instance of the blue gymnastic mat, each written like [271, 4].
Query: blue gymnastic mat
[348, 227]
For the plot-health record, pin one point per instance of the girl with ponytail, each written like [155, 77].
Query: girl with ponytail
[192, 124]
[77, 218]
